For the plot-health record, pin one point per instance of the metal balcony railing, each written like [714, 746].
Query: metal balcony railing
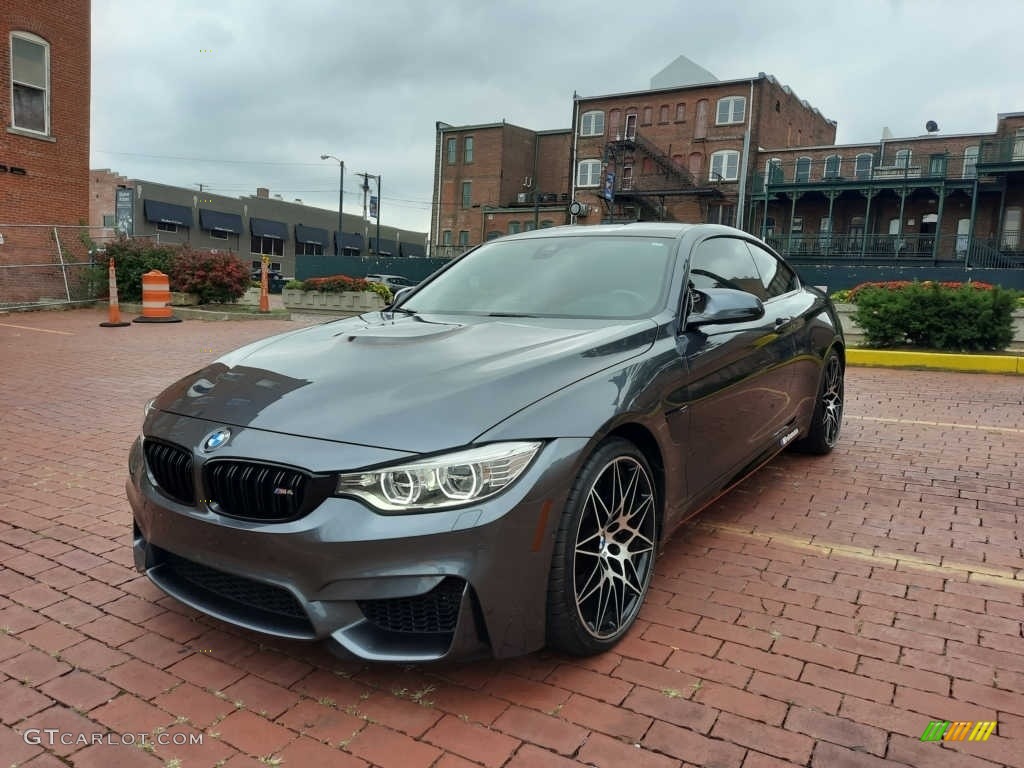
[1008, 151]
[866, 168]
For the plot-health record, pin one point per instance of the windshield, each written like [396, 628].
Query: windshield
[582, 276]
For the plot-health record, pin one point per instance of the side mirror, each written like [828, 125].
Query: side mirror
[400, 294]
[724, 305]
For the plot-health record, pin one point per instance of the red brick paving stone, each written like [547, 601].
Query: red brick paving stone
[17, 618]
[130, 713]
[51, 637]
[175, 626]
[765, 738]
[590, 683]
[321, 684]
[857, 645]
[605, 752]
[115, 756]
[112, 630]
[206, 672]
[657, 677]
[35, 666]
[63, 720]
[10, 647]
[617, 722]
[773, 662]
[944, 629]
[111, 574]
[253, 734]
[531, 726]
[44, 761]
[131, 608]
[36, 596]
[200, 707]
[680, 742]
[681, 640]
[987, 696]
[777, 627]
[819, 618]
[18, 701]
[759, 760]
[528, 756]
[81, 560]
[834, 680]
[138, 677]
[72, 612]
[923, 753]
[93, 656]
[155, 650]
[260, 696]
[837, 730]
[793, 692]
[527, 693]
[401, 715]
[660, 706]
[28, 564]
[468, 704]
[11, 581]
[322, 722]
[79, 690]
[472, 741]
[904, 675]
[829, 605]
[308, 753]
[390, 749]
[200, 755]
[276, 668]
[833, 756]
[243, 761]
[709, 669]
[634, 647]
[13, 748]
[751, 705]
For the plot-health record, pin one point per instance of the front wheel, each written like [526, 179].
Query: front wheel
[604, 551]
[827, 420]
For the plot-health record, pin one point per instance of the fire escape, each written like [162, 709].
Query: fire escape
[643, 198]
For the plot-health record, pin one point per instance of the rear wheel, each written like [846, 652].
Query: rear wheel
[827, 421]
[604, 551]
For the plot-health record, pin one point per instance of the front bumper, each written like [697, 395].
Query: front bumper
[410, 588]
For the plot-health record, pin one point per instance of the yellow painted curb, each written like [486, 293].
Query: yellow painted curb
[939, 360]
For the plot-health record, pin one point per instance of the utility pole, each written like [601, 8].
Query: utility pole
[378, 213]
[366, 189]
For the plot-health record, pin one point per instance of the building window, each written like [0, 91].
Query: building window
[648, 115]
[903, 158]
[630, 125]
[529, 226]
[163, 226]
[680, 112]
[832, 163]
[627, 177]
[108, 219]
[588, 173]
[613, 122]
[493, 235]
[725, 165]
[464, 237]
[267, 246]
[446, 237]
[773, 171]
[937, 166]
[663, 114]
[513, 227]
[307, 249]
[546, 223]
[862, 166]
[803, 169]
[592, 123]
[467, 149]
[970, 163]
[722, 214]
[453, 150]
[219, 234]
[731, 110]
[695, 162]
[30, 82]
[700, 127]
[467, 194]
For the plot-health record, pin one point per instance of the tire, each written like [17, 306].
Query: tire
[827, 421]
[602, 567]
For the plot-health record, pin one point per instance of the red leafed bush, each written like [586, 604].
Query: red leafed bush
[217, 278]
[336, 284]
[898, 285]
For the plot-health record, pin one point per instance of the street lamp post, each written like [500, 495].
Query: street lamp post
[341, 196]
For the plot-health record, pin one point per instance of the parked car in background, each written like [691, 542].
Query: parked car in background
[492, 463]
[275, 280]
[394, 282]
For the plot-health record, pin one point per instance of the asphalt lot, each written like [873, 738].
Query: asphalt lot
[821, 614]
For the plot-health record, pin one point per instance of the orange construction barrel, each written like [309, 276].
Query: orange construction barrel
[156, 295]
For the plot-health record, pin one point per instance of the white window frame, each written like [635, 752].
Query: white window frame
[35, 40]
[166, 226]
[825, 169]
[629, 126]
[718, 166]
[732, 105]
[775, 162]
[452, 149]
[593, 173]
[903, 157]
[219, 234]
[592, 123]
[857, 168]
[467, 149]
[807, 172]
[970, 170]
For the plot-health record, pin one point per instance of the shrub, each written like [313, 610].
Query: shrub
[133, 258]
[344, 283]
[947, 316]
[217, 278]
[296, 284]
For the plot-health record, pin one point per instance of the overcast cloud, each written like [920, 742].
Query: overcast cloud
[236, 94]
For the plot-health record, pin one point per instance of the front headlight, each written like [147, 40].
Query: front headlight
[149, 407]
[444, 481]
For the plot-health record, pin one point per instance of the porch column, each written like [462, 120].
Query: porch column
[938, 223]
[970, 229]
[831, 220]
[868, 193]
[903, 200]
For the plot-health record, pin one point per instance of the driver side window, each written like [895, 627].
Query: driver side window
[725, 262]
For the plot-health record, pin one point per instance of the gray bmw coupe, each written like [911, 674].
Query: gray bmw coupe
[492, 463]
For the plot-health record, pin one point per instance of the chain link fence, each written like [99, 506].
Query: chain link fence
[47, 265]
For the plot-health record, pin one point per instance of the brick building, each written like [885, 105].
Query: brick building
[748, 153]
[44, 141]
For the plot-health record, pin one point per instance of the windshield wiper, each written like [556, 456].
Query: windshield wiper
[403, 310]
[509, 314]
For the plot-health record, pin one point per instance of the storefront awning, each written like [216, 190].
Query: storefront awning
[305, 234]
[228, 222]
[167, 213]
[348, 241]
[268, 228]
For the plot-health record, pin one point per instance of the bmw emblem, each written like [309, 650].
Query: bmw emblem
[216, 439]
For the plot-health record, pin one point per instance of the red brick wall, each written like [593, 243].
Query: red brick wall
[103, 184]
[55, 187]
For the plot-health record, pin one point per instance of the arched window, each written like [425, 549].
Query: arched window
[592, 123]
[680, 112]
[30, 83]
[663, 114]
[614, 118]
[862, 165]
[803, 169]
[970, 163]
[725, 165]
[588, 173]
[648, 115]
[513, 227]
[903, 158]
[832, 163]
[773, 171]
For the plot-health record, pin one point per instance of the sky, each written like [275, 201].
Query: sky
[240, 94]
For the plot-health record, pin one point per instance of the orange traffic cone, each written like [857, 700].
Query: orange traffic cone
[114, 315]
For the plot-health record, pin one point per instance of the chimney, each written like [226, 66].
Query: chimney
[263, 192]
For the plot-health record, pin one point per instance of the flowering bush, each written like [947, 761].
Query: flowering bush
[217, 278]
[343, 284]
[948, 316]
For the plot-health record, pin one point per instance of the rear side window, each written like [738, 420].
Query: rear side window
[725, 262]
[776, 277]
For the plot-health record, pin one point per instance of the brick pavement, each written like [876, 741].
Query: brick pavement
[821, 614]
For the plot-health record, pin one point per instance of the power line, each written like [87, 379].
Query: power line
[203, 159]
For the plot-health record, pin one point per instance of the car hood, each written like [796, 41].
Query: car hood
[410, 383]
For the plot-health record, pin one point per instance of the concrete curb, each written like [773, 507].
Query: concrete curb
[937, 361]
[192, 313]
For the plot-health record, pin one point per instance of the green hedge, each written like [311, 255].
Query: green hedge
[968, 317]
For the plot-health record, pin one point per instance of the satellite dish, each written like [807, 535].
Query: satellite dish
[931, 126]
